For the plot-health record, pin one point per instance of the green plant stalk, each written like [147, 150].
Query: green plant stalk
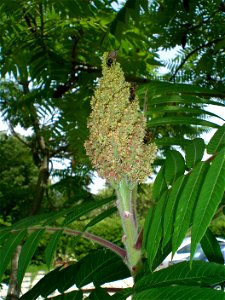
[87, 235]
[128, 216]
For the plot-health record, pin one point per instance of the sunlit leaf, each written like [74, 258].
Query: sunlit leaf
[217, 141]
[160, 185]
[155, 231]
[194, 151]
[187, 202]
[211, 194]
[201, 273]
[170, 209]
[174, 166]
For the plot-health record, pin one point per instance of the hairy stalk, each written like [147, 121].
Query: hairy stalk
[87, 235]
[128, 219]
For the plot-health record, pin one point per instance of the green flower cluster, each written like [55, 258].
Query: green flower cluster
[117, 129]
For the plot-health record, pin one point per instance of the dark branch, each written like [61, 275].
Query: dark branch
[15, 134]
[193, 52]
[31, 22]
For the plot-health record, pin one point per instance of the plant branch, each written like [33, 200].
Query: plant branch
[87, 235]
[15, 134]
[41, 20]
[191, 53]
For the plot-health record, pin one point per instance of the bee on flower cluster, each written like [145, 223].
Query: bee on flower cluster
[149, 136]
[133, 88]
[111, 58]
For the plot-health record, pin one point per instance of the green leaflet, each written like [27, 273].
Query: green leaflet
[85, 208]
[66, 277]
[183, 110]
[45, 286]
[32, 220]
[99, 294]
[187, 204]
[159, 188]
[3, 236]
[160, 185]
[27, 252]
[75, 295]
[181, 120]
[154, 230]
[170, 209]
[50, 249]
[128, 10]
[157, 88]
[165, 141]
[121, 295]
[181, 282]
[174, 166]
[45, 219]
[100, 267]
[217, 141]
[147, 225]
[162, 254]
[9, 248]
[201, 274]
[101, 217]
[210, 196]
[211, 248]
[179, 292]
[194, 152]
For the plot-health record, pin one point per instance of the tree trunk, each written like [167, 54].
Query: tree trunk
[41, 159]
[42, 182]
[14, 289]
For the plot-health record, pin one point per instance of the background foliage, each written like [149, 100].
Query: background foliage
[50, 54]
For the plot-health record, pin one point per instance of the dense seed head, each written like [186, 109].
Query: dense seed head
[117, 129]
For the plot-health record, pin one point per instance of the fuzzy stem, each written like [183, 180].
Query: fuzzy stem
[128, 219]
[87, 235]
